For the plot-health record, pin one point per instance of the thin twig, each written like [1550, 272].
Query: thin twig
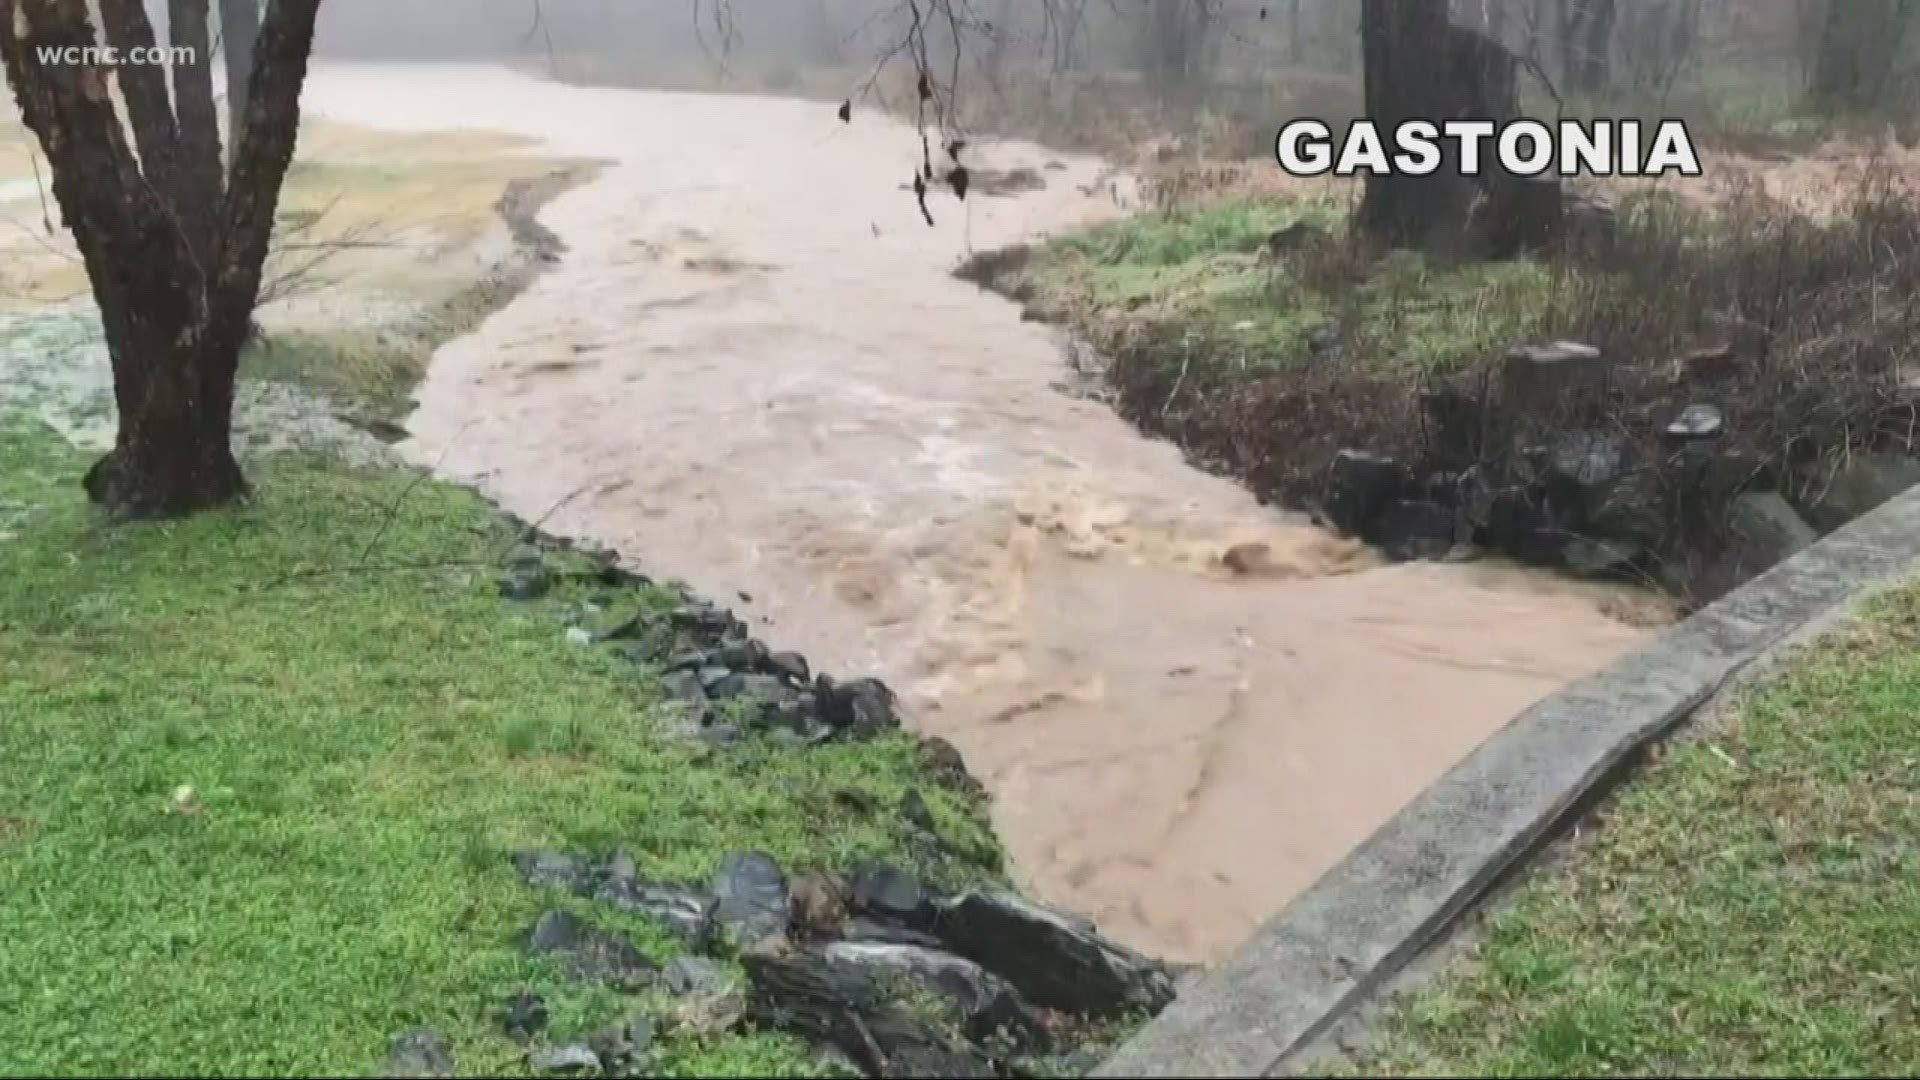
[46, 218]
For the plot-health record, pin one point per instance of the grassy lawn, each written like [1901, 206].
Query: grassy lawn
[363, 751]
[1197, 274]
[1751, 905]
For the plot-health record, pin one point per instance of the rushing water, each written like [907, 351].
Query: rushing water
[753, 371]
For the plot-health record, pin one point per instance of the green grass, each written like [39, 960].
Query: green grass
[365, 750]
[1751, 905]
[1195, 275]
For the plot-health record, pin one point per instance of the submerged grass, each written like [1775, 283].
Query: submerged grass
[364, 749]
[1749, 906]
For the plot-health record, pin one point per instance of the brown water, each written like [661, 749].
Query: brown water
[753, 371]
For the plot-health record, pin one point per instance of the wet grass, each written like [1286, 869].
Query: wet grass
[1750, 906]
[363, 750]
[1197, 274]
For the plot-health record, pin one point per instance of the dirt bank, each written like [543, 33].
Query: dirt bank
[765, 380]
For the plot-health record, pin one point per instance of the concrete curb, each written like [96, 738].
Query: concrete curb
[1344, 937]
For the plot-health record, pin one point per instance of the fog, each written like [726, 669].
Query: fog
[1221, 75]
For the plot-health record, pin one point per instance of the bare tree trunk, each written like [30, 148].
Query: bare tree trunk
[1858, 43]
[173, 252]
[239, 29]
[1587, 43]
[1407, 78]
[1543, 30]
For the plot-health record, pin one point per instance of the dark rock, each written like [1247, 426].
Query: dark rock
[635, 627]
[1591, 224]
[764, 687]
[715, 623]
[1056, 961]
[1409, 529]
[1521, 214]
[914, 1062]
[690, 660]
[1538, 379]
[914, 809]
[1454, 422]
[687, 912]
[751, 901]
[684, 686]
[852, 1006]
[549, 869]
[1698, 421]
[1631, 508]
[891, 894]
[709, 1013]
[1519, 526]
[1763, 530]
[1291, 238]
[1601, 558]
[1862, 484]
[527, 583]
[696, 975]
[792, 665]
[942, 759]
[1359, 487]
[525, 1015]
[818, 903]
[1325, 343]
[739, 656]
[622, 578]
[871, 930]
[622, 1048]
[862, 707]
[590, 953]
[1718, 472]
[720, 734]
[1008, 1025]
[419, 1053]
[711, 676]
[620, 866]
[571, 1059]
[1584, 460]
[793, 711]
[973, 993]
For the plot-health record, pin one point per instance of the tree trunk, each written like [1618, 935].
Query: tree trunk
[1543, 30]
[1858, 43]
[173, 452]
[173, 252]
[239, 28]
[1407, 78]
[1587, 43]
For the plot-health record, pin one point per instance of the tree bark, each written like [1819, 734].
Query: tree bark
[1587, 43]
[173, 254]
[1407, 78]
[239, 29]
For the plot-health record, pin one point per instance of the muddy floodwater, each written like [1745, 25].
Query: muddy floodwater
[752, 370]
